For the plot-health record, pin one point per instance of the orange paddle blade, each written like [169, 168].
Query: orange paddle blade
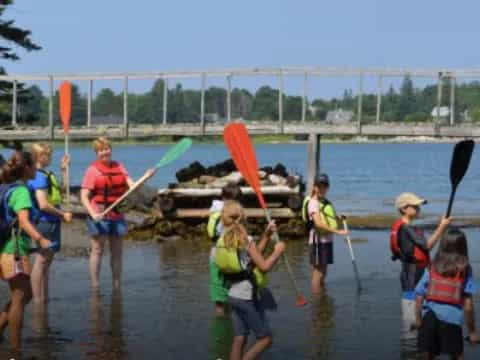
[65, 104]
[237, 140]
[301, 301]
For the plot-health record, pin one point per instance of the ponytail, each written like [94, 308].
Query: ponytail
[14, 169]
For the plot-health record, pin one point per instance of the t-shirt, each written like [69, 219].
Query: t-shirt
[408, 237]
[242, 289]
[315, 235]
[88, 182]
[18, 200]
[445, 312]
[40, 182]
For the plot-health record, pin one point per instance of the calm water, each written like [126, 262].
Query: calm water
[164, 311]
[365, 177]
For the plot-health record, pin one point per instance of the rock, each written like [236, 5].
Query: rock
[267, 169]
[193, 171]
[262, 174]
[293, 180]
[221, 169]
[277, 180]
[280, 170]
[206, 179]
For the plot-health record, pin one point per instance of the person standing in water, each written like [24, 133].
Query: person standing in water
[47, 197]
[321, 219]
[105, 181]
[16, 209]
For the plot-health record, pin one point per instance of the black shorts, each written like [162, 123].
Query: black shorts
[321, 254]
[439, 337]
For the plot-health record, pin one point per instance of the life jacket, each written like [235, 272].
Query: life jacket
[326, 210]
[213, 221]
[8, 219]
[111, 185]
[54, 194]
[445, 289]
[229, 264]
[421, 257]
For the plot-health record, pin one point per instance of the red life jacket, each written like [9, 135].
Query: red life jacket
[445, 289]
[421, 256]
[111, 185]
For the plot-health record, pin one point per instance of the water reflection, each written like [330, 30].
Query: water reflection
[322, 333]
[106, 336]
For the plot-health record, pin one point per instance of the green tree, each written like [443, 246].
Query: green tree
[406, 99]
[107, 103]
[265, 104]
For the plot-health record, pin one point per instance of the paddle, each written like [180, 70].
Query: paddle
[242, 152]
[172, 154]
[65, 95]
[462, 153]
[354, 263]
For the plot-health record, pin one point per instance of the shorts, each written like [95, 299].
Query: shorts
[107, 227]
[439, 337]
[218, 290]
[249, 315]
[51, 231]
[321, 254]
[9, 270]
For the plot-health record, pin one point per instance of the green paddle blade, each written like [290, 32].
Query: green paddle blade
[175, 152]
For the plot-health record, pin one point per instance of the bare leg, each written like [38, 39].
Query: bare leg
[219, 309]
[96, 253]
[116, 248]
[4, 317]
[319, 273]
[40, 274]
[21, 294]
[237, 347]
[260, 346]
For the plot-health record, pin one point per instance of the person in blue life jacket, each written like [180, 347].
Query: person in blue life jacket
[411, 247]
[16, 209]
[443, 297]
[218, 290]
[47, 195]
[322, 222]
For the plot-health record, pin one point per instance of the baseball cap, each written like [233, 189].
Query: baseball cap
[406, 199]
[322, 178]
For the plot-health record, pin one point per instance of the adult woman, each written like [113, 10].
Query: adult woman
[47, 198]
[14, 251]
[104, 182]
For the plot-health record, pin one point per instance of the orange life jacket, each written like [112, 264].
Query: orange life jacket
[445, 289]
[110, 185]
[422, 259]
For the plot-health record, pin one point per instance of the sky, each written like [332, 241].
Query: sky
[93, 36]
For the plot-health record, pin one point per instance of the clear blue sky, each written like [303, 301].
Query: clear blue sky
[148, 35]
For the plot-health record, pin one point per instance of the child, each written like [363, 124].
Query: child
[409, 245]
[218, 291]
[444, 294]
[323, 223]
[244, 266]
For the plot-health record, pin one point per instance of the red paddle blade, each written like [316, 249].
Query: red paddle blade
[237, 140]
[65, 94]
[301, 301]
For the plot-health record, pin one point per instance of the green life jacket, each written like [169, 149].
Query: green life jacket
[213, 221]
[228, 262]
[54, 194]
[326, 210]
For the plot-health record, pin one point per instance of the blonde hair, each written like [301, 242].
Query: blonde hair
[233, 219]
[101, 143]
[39, 149]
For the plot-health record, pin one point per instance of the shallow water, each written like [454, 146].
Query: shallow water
[164, 311]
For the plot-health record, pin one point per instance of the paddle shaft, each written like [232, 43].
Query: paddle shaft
[135, 186]
[450, 202]
[354, 262]
[276, 239]
[67, 173]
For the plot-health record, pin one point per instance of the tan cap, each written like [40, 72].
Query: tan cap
[406, 199]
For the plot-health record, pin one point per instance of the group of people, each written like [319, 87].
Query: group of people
[435, 294]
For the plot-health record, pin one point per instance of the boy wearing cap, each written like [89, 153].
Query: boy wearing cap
[323, 223]
[409, 245]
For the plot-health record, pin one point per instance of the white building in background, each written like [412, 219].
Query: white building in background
[444, 112]
[339, 116]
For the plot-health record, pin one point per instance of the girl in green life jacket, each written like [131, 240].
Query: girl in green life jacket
[46, 194]
[247, 312]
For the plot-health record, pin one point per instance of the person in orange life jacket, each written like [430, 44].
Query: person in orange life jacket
[104, 182]
[47, 197]
[321, 234]
[443, 297]
[218, 288]
[409, 245]
[17, 208]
